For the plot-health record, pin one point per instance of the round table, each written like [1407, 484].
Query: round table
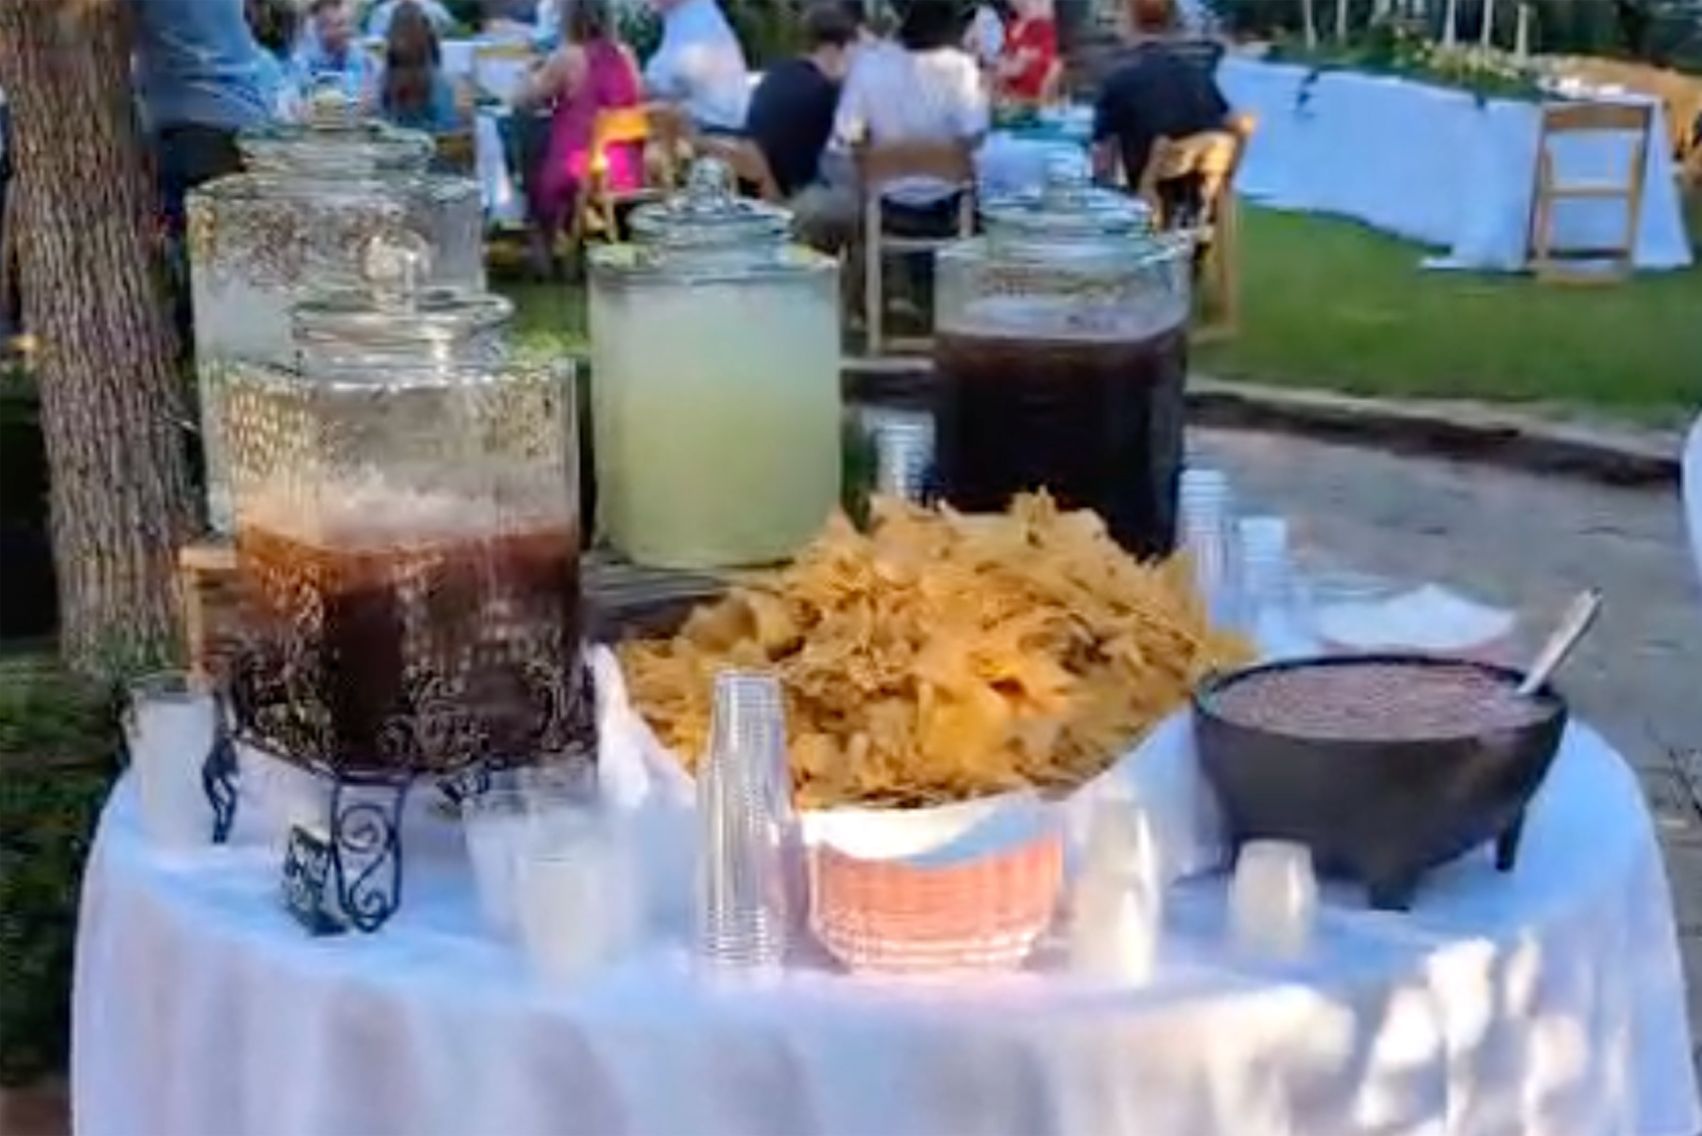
[1547, 1000]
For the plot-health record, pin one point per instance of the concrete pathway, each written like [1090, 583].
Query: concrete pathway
[1528, 542]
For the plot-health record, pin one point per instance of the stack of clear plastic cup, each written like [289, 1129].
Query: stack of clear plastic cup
[1269, 601]
[169, 729]
[747, 840]
[904, 453]
[1207, 532]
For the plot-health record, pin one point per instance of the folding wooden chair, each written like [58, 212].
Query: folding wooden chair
[880, 166]
[1209, 160]
[457, 152]
[1559, 120]
[744, 158]
[660, 129]
[500, 68]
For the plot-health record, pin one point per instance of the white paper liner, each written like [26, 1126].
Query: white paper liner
[1161, 773]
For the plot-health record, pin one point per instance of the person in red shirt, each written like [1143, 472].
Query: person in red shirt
[1031, 52]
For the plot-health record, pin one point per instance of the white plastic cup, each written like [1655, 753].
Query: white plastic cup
[1273, 899]
[576, 899]
[496, 824]
[169, 730]
[1117, 916]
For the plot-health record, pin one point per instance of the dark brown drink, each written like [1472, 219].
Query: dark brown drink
[420, 656]
[1098, 424]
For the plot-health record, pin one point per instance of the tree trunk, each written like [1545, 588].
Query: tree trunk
[111, 398]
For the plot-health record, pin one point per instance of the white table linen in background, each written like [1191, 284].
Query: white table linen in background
[1435, 166]
[1693, 492]
[504, 202]
[1545, 1001]
[1009, 163]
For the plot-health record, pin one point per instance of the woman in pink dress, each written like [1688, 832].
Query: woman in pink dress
[592, 71]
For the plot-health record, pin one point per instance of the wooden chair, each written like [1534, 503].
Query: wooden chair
[499, 68]
[1210, 160]
[660, 129]
[457, 152]
[1558, 120]
[880, 166]
[744, 158]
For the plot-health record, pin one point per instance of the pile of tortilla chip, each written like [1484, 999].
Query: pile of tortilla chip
[943, 656]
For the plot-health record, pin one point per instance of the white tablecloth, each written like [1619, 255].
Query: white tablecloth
[1546, 1001]
[1435, 166]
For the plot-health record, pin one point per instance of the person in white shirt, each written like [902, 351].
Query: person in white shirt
[986, 37]
[924, 87]
[700, 65]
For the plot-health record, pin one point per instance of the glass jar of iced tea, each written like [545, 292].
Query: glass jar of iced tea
[714, 382]
[309, 199]
[406, 517]
[1060, 353]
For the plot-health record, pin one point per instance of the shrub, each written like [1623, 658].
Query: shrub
[58, 738]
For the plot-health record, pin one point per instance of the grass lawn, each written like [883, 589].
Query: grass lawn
[1329, 303]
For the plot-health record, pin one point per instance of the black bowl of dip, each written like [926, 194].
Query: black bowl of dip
[1383, 765]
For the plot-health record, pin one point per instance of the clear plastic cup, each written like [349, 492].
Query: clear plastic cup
[1273, 899]
[169, 729]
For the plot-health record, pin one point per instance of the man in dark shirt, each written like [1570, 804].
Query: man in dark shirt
[791, 112]
[1158, 92]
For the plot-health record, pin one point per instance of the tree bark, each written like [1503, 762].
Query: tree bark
[121, 499]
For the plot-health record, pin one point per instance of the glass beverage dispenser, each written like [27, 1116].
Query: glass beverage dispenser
[407, 538]
[311, 198]
[715, 382]
[1060, 357]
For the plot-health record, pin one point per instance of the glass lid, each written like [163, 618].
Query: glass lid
[335, 137]
[709, 215]
[395, 313]
[1067, 206]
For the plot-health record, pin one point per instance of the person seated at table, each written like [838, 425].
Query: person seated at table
[379, 17]
[201, 78]
[929, 90]
[700, 65]
[1156, 92]
[792, 109]
[330, 55]
[276, 25]
[1029, 53]
[592, 72]
[414, 92]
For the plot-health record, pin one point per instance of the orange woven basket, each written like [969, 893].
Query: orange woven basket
[893, 916]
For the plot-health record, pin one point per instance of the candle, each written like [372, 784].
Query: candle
[1522, 39]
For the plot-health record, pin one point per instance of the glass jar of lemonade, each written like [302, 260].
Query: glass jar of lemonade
[714, 382]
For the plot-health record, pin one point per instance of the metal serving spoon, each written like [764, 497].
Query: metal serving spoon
[1580, 614]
